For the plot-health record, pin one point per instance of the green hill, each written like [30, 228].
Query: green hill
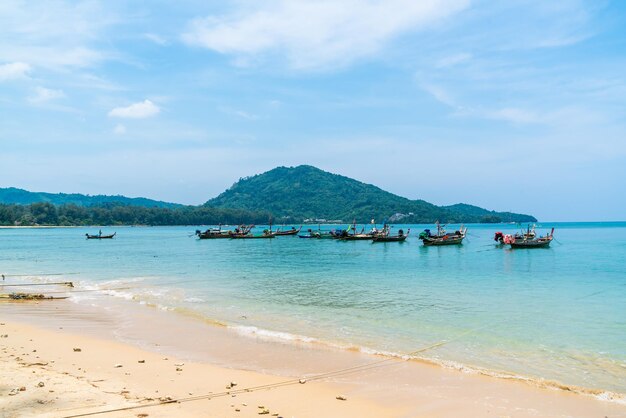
[306, 192]
[12, 195]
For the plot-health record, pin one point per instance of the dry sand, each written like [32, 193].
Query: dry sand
[182, 357]
[57, 374]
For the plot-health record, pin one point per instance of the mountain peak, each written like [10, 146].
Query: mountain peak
[307, 192]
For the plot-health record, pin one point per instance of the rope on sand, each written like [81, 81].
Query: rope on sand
[317, 377]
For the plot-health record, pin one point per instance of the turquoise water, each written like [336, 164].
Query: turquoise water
[557, 314]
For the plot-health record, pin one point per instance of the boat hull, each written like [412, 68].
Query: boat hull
[357, 238]
[253, 236]
[531, 244]
[287, 233]
[213, 236]
[442, 241]
[101, 236]
[390, 239]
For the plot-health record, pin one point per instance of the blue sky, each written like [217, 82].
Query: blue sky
[516, 105]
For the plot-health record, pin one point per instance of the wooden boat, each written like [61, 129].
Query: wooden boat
[386, 237]
[317, 234]
[266, 234]
[345, 235]
[213, 233]
[240, 231]
[292, 231]
[357, 237]
[536, 242]
[528, 234]
[243, 232]
[442, 237]
[100, 236]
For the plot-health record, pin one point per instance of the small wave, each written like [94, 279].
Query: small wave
[252, 331]
[194, 300]
[153, 297]
[270, 335]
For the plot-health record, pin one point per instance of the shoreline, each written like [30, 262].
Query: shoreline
[398, 388]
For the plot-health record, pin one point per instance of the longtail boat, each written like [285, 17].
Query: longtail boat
[266, 234]
[357, 237]
[292, 231]
[243, 232]
[319, 234]
[442, 237]
[386, 237]
[213, 233]
[528, 234]
[347, 235]
[240, 231]
[100, 236]
[536, 242]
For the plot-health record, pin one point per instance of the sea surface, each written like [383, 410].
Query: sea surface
[549, 315]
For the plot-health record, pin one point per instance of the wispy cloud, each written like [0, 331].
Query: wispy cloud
[139, 110]
[514, 115]
[440, 94]
[157, 39]
[53, 34]
[43, 95]
[119, 129]
[452, 60]
[316, 34]
[14, 71]
[237, 112]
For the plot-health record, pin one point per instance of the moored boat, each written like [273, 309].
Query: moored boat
[213, 233]
[240, 231]
[535, 242]
[528, 234]
[442, 237]
[319, 234]
[100, 236]
[385, 236]
[292, 231]
[350, 233]
[267, 233]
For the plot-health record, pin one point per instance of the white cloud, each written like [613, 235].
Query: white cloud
[139, 110]
[236, 112]
[43, 95]
[157, 39]
[14, 70]
[452, 60]
[317, 34]
[119, 129]
[514, 115]
[53, 34]
[439, 94]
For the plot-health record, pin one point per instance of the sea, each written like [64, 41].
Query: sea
[555, 315]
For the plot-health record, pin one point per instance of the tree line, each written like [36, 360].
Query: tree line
[120, 214]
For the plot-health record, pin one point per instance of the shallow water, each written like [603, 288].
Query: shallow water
[555, 314]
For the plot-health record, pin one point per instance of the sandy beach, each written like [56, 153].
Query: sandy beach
[59, 359]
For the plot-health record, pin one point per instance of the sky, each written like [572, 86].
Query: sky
[516, 105]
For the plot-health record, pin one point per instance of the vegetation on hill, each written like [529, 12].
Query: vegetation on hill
[287, 194]
[44, 213]
[12, 195]
[306, 192]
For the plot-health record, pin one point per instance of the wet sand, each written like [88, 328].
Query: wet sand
[183, 357]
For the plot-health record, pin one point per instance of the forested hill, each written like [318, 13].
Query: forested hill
[306, 192]
[13, 195]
